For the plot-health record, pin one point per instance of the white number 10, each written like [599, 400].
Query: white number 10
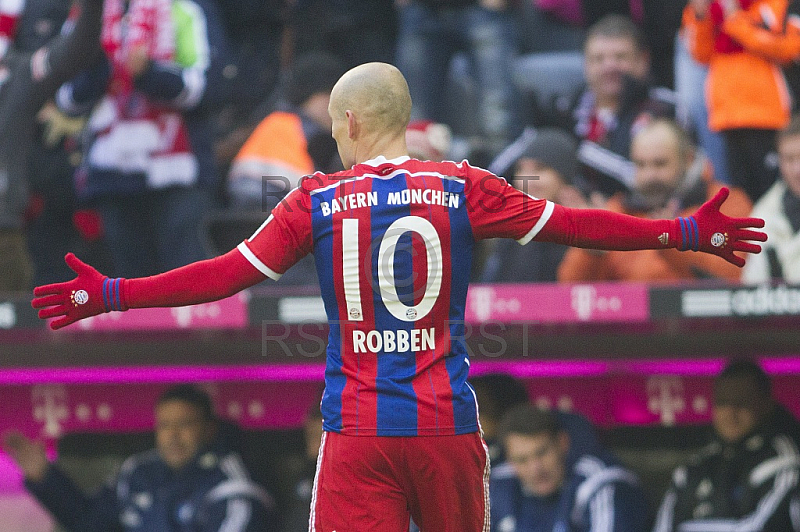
[386, 252]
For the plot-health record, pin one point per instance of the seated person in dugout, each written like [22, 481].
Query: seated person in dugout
[746, 478]
[537, 489]
[188, 482]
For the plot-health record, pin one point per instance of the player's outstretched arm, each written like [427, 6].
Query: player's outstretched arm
[92, 293]
[707, 230]
[711, 231]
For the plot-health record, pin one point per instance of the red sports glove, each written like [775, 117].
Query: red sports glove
[711, 231]
[89, 294]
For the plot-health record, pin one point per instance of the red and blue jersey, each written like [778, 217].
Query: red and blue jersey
[393, 241]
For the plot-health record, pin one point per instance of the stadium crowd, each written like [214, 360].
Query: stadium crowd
[198, 116]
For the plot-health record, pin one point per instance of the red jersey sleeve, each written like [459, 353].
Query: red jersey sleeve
[498, 210]
[284, 238]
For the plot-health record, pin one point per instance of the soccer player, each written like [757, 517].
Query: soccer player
[392, 238]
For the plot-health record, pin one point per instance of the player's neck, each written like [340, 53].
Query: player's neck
[389, 148]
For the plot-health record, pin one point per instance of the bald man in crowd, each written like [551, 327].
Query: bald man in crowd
[672, 179]
[392, 239]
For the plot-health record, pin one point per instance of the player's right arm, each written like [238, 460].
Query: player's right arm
[280, 242]
[92, 293]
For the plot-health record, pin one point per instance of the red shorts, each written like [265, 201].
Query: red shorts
[376, 483]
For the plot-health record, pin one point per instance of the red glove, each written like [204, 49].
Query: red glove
[711, 231]
[89, 294]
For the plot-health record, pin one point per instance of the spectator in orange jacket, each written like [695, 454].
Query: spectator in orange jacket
[671, 178]
[745, 43]
[292, 141]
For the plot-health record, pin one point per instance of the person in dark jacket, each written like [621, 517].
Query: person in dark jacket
[546, 169]
[746, 478]
[189, 482]
[431, 32]
[538, 490]
[497, 393]
[27, 81]
[617, 100]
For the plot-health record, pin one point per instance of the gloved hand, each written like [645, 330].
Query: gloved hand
[89, 294]
[711, 231]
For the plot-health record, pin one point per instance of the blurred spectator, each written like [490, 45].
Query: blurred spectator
[355, 31]
[561, 24]
[297, 513]
[428, 141]
[744, 43]
[255, 30]
[270, 36]
[54, 223]
[545, 170]
[188, 482]
[616, 102]
[291, 142]
[594, 10]
[552, 25]
[671, 180]
[497, 393]
[27, 80]
[10, 11]
[746, 478]
[690, 82]
[537, 489]
[150, 133]
[432, 31]
[780, 209]
[659, 19]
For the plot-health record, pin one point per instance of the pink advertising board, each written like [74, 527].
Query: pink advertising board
[552, 303]
[230, 313]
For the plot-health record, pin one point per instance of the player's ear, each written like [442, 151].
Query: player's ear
[352, 124]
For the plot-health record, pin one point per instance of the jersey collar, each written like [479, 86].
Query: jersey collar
[380, 159]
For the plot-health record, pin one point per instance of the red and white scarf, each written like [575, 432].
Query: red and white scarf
[10, 11]
[133, 127]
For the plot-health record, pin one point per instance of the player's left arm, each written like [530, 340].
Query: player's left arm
[707, 230]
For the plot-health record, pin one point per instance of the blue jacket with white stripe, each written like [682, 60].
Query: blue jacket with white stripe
[596, 496]
[213, 493]
[730, 487]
